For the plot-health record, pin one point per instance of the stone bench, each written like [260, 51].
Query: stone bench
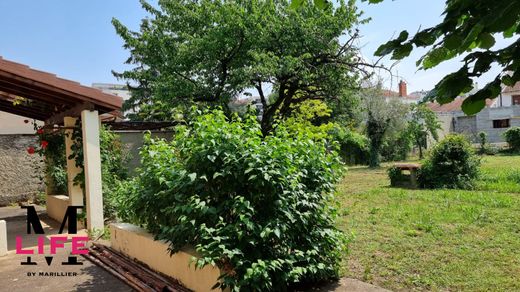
[406, 180]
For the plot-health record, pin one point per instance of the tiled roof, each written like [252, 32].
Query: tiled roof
[390, 93]
[453, 106]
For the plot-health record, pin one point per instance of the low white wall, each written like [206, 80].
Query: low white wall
[136, 243]
[3, 238]
[57, 206]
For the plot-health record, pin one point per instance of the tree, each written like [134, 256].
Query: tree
[210, 52]
[423, 122]
[382, 117]
[469, 28]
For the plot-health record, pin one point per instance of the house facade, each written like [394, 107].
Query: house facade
[498, 116]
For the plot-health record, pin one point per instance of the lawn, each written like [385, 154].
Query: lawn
[435, 239]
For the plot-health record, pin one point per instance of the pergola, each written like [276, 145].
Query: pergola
[45, 97]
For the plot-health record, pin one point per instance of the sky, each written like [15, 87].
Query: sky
[75, 39]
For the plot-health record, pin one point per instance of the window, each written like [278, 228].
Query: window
[501, 123]
[516, 99]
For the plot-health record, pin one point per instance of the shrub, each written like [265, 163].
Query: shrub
[353, 146]
[258, 208]
[396, 176]
[482, 136]
[512, 136]
[396, 148]
[451, 163]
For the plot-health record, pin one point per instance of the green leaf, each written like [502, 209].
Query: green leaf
[508, 80]
[386, 49]
[192, 176]
[402, 52]
[509, 33]
[424, 38]
[471, 107]
[486, 41]
[403, 36]
[435, 57]
[296, 3]
[322, 4]
[453, 41]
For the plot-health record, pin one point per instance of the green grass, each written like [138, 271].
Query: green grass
[435, 239]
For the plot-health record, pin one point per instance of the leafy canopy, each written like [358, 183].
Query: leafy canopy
[383, 117]
[213, 51]
[422, 123]
[469, 28]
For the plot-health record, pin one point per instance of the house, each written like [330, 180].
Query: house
[499, 115]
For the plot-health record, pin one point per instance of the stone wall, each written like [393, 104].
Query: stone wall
[19, 178]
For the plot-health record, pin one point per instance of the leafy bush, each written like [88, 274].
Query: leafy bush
[451, 163]
[258, 208]
[512, 136]
[353, 146]
[396, 148]
[483, 140]
[396, 176]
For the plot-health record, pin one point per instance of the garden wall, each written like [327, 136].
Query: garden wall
[138, 244]
[19, 180]
[133, 141]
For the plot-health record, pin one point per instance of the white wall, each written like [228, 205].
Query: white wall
[13, 124]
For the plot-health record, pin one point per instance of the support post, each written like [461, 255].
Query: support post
[3, 238]
[92, 164]
[75, 191]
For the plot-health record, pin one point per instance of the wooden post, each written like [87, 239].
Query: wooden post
[92, 158]
[75, 191]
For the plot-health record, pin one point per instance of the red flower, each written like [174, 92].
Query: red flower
[44, 144]
[26, 121]
[30, 150]
[40, 131]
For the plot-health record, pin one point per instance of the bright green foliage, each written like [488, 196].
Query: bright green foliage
[211, 51]
[307, 116]
[259, 208]
[451, 164]
[469, 28]
[513, 138]
[422, 123]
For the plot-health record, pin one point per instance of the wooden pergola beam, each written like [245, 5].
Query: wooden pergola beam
[79, 94]
[74, 112]
[22, 110]
[31, 93]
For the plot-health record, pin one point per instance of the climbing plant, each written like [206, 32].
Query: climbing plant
[51, 147]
